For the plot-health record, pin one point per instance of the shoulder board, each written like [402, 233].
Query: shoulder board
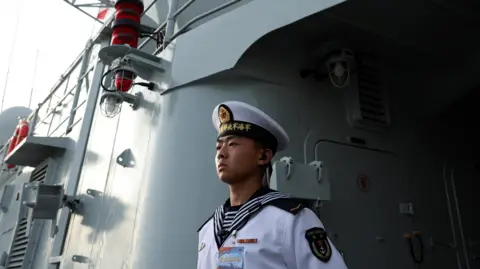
[291, 205]
[204, 223]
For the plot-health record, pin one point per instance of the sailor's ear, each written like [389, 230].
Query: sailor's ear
[265, 157]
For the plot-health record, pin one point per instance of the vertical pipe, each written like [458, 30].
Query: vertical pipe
[33, 123]
[78, 88]
[450, 214]
[172, 7]
[76, 166]
[459, 218]
[51, 114]
[67, 82]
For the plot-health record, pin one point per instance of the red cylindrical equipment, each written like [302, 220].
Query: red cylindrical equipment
[10, 146]
[13, 141]
[23, 127]
[126, 30]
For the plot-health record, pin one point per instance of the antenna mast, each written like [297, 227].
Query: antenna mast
[10, 59]
[33, 79]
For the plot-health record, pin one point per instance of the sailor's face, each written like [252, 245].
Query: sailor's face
[236, 158]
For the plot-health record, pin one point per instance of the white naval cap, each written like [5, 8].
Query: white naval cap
[237, 118]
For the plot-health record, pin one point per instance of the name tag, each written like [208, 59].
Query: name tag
[231, 257]
[247, 241]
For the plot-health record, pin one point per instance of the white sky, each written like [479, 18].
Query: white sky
[54, 29]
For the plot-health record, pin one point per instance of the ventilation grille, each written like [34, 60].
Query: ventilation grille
[369, 107]
[19, 246]
[372, 100]
[39, 174]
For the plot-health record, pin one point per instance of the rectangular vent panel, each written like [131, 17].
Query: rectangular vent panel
[19, 246]
[368, 106]
[372, 103]
[39, 174]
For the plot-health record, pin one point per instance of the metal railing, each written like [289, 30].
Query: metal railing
[83, 58]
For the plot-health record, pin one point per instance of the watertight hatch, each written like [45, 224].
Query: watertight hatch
[33, 150]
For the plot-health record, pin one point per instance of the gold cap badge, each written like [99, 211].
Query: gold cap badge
[224, 114]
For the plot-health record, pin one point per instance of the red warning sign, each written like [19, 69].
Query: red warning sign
[363, 182]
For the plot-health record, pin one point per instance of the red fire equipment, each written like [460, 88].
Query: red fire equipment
[21, 132]
[13, 141]
[11, 146]
[126, 30]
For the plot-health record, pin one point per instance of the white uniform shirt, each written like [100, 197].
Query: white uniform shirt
[272, 239]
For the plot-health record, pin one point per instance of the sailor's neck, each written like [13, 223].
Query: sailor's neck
[241, 192]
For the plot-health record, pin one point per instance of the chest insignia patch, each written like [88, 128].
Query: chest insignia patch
[318, 242]
[231, 258]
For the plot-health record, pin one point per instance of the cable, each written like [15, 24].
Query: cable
[410, 239]
[148, 85]
[158, 37]
[103, 77]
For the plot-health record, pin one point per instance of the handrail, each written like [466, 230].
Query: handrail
[184, 28]
[106, 29]
[79, 58]
[78, 86]
[67, 73]
[164, 24]
[75, 64]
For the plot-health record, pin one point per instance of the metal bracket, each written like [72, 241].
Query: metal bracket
[120, 97]
[289, 162]
[55, 260]
[44, 201]
[72, 202]
[433, 244]
[80, 259]
[319, 169]
[407, 208]
[146, 29]
[3, 259]
[94, 193]
[318, 206]
[304, 181]
[126, 159]
[144, 65]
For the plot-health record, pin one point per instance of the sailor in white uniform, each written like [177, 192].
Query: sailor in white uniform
[258, 228]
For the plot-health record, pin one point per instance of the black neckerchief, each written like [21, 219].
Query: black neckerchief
[253, 205]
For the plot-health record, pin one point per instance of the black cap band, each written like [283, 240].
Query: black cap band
[249, 130]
